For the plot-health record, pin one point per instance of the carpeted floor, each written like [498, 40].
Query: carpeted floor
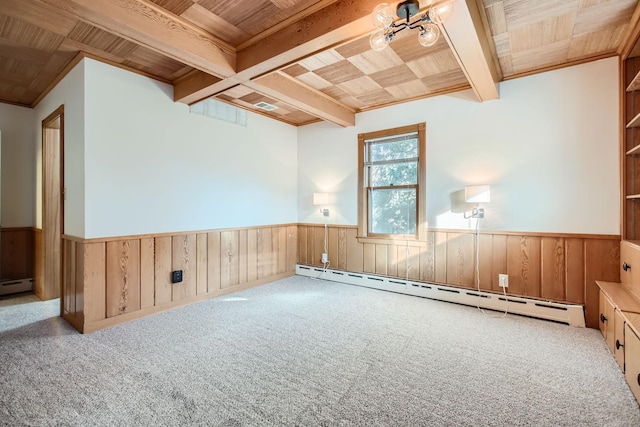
[307, 352]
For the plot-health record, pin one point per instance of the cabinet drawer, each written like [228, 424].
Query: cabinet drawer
[629, 255]
[632, 356]
[618, 344]
[607, 321]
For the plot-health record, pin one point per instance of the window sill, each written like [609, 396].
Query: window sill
[398, 241]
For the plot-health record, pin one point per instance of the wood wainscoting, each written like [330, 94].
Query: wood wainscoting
[555, 267]
[115, 280]
[18, 252]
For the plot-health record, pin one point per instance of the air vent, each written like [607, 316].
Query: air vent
[266, 106]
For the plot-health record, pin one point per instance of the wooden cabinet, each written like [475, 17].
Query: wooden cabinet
[620, 326]
[631, 149]
[612, 327]
[618, 338]
[607, 320]
[629, 262]
[632, 371]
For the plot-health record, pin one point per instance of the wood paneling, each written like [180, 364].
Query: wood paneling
[523, 265]
[17, 253]
[460, 259]
[574, 270]
[162, 268]
[292, 246]
[602, 258]
[201, 264]
[147, 273]
[252, 255]
[123, 277]
[213, 261]
[110, 281]
[552, 281]
[552, 267]
[94, 280]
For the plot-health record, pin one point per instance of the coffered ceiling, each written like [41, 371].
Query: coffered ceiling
[308, 58]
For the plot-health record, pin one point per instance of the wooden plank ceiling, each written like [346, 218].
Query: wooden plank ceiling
[309, 58]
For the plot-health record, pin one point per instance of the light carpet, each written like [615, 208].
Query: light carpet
[304, 352]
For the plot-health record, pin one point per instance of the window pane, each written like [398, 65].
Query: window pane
[392, 211]
[393, 174]
[393, 149]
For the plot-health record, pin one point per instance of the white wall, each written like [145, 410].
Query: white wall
[17, 166]
[548, 148]
[70, 93]
[152, 167]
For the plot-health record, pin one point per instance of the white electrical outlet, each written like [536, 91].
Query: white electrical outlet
[325, 258]
[503, 280]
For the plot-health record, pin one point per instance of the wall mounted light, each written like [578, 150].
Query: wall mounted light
[321, 199]
[477, 194]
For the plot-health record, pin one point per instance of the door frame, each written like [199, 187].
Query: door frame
[50, 263]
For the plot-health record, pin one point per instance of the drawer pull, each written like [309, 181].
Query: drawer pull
[602, 318]
[625, 266]
[638, 379]
[618, 345]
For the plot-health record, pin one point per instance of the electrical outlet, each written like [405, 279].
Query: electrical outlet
[176, 276]
[503, 280]
[325, 258]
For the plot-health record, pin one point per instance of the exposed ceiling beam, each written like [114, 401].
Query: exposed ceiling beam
[466, 35]
[149, 25]
[628, 47]
[334, 24]
[305, 98]
[192, 84]
[197, 86]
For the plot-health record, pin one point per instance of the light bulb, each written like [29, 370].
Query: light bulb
[382, 15]
[428, 35]
[441, 12]
[378, 40]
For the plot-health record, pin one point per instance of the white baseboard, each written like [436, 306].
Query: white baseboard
[570, 314]
[13, 286]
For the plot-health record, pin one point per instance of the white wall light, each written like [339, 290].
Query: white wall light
[477, 194]
[321, 199]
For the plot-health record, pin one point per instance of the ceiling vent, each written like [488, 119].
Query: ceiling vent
[266, 106]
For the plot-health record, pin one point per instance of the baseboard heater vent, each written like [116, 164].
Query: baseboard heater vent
[14, 286]
[569, 314]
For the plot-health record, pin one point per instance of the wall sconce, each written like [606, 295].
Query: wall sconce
[321, 199]
[477, 194]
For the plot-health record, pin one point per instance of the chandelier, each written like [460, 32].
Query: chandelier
[428, 33]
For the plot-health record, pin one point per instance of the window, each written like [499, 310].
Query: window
[391, 183]
[220, 110]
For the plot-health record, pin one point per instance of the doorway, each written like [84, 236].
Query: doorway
[49, 259]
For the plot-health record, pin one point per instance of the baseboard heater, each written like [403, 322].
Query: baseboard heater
[14, 286]
[570, 314]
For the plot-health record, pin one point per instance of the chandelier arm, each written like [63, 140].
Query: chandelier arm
[398, 27]
[418, 23]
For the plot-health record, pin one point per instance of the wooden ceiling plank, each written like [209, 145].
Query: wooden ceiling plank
[39, 15]
[466, 35]
[302, 97]
[278, 27]
[151, 26]
[215, 24]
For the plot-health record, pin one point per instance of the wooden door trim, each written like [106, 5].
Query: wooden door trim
[58, 113]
